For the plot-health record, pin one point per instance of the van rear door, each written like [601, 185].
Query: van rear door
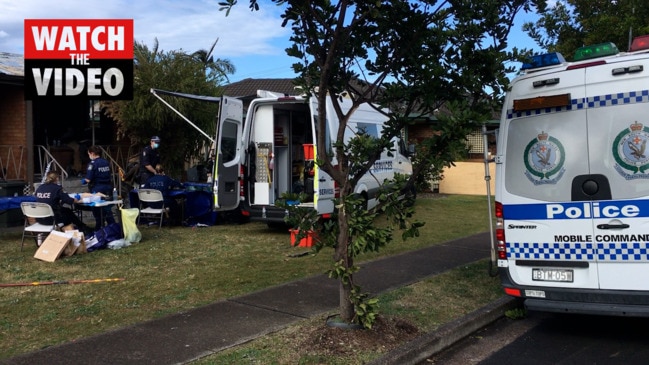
[229, 128]
[548, 232]
[618, 131]
[324, 188]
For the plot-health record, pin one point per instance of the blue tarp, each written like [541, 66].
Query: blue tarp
[13, 202]
[198, 207]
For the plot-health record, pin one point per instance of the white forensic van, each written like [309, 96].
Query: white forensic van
[572, 183]
[273, 152]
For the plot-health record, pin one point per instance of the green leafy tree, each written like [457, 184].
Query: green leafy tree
[144, 116]
[410, 56]
[571, 24]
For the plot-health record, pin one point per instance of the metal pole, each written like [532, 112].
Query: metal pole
[487, 177]
[182, 116]
[41, 283]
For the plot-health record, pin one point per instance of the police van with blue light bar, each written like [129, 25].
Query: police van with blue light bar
[572, 182]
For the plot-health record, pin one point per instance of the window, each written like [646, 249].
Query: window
[229, 141]
[474, 143]
[370, 129]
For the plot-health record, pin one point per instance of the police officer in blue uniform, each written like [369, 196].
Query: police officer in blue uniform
[52, 194]
[165, 184]
[99, 180]
[149, 159]
[162, 182]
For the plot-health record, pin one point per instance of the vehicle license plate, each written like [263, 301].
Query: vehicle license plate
[562, 275]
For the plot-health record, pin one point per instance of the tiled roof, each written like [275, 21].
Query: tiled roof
[247, 88]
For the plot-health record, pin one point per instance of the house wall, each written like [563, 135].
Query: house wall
[467, 178]
[419, 132]
[13, 133]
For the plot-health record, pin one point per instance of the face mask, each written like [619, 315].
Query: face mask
[155, 145]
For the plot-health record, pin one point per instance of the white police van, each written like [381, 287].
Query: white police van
[572, 183]
[273, 151]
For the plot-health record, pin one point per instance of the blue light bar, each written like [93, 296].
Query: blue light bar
[543, 60]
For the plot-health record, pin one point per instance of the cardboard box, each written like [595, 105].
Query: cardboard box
[53, 246]
[78, 241]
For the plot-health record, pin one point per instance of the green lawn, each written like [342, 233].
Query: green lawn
[174, 269]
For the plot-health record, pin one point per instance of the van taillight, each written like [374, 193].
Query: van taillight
[501, 248]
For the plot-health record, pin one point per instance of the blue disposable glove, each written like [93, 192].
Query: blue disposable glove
[78, 197]
[83, 182]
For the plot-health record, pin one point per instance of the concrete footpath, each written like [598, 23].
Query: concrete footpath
[186, 336]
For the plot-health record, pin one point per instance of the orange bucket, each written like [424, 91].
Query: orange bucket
[308, 151]
[304, 242]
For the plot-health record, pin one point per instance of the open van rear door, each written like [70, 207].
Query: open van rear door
[229, 129]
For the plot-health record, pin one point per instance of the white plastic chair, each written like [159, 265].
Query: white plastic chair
[147, 198]
[36, 210]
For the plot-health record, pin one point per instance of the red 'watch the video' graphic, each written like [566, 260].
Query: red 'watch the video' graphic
[60, 38]
[89, 58]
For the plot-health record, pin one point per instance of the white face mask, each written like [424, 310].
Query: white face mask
[155, 145]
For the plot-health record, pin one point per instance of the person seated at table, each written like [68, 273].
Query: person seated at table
[165, 184]
[52, 194]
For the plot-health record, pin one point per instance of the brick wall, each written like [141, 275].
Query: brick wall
[13, 132]
[12, 104]
[419, 132]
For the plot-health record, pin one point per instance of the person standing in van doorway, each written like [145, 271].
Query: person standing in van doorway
[149, 159]
[99, 180]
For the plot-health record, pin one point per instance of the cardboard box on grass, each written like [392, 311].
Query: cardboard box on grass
[78, 240]
[53, 246]
[61, 243]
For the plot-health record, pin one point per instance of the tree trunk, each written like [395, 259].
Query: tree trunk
[342, 253]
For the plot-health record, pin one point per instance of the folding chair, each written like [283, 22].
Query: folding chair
[36, 210]
[151, 204]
